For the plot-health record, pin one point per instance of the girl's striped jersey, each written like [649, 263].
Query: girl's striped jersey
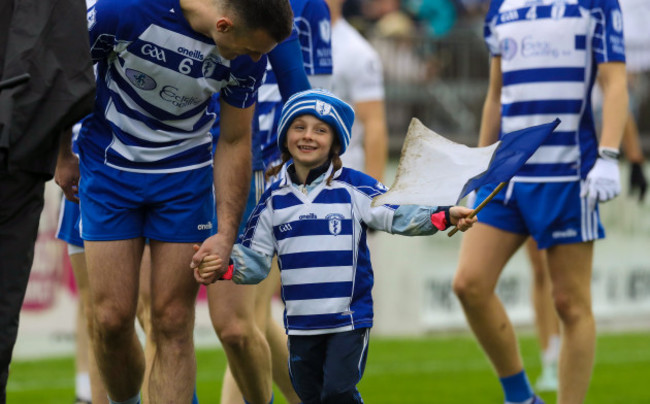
[319, 235]
[549, 53]
[156, 76]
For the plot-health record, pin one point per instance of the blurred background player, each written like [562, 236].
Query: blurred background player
[536, 75]
[241, 314]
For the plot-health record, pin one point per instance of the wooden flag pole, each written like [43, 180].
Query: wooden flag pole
[482, 205]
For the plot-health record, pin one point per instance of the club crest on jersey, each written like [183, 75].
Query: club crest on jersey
[209, 64]
[508, 48]
[335, 222]
[140, 80]
[323, 108]
[325, 29]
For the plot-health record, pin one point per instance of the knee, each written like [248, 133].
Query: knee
[110, 321]
[236, 334]
[469, 291]
[172, 321]
[570, 309]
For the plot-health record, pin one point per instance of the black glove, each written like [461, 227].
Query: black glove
[638, 180]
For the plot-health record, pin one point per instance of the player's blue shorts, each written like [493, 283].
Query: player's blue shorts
[551, 212]
[171, 207]
[68, 230]
[254, 195]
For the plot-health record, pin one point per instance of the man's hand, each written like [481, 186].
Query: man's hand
[638, 180]
[67, 176]
[210, 260]
[602, 183]
[460, 217]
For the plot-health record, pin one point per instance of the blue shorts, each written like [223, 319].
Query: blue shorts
[551, 212]
[68, 230]
[171, 207]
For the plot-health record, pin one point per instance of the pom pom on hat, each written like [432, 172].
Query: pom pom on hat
[323, 105]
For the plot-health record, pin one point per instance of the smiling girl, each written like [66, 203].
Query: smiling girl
[315, 217]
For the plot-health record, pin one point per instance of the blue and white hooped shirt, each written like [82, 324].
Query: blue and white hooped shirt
[156, 76]
[549, 53]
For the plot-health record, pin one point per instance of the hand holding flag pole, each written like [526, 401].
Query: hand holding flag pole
[435, 171]
[481, 205]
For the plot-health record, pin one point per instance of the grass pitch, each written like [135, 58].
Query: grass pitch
[436, 369]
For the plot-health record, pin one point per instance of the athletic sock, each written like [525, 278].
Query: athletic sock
[195, 398]
[82, 386]
[517, 388]
[133, 400]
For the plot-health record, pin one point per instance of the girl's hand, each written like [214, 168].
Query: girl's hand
[208, 268]
[460, 217]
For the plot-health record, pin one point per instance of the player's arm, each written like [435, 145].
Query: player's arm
[491, 115]
[372, 115]
[613, 81]
[232, 175]
[286, 61]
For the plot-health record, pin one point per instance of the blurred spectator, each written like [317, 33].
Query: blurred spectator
[437, 16]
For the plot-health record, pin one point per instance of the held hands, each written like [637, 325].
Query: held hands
[460, 216]
[210, 261]
[603, 181]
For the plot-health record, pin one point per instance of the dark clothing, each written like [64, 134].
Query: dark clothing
[48, 39]
[326, 368]
[22, 202]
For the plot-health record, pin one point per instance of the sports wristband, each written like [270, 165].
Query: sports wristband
[608, 153]
[228, 275]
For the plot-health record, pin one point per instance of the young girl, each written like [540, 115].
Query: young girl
[315, 217]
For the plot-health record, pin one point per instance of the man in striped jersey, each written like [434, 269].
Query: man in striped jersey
[545, 56]
[147, 166]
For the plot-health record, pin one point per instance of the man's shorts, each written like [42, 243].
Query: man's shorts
[552, 212]
[171, 207]
[68, 230]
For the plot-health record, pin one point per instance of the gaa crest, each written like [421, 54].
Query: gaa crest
[323, 108]
[335, 222]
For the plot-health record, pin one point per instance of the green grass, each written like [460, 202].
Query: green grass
[437, 369]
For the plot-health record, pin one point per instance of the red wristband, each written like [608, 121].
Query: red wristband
[439, 220]
[228, 275]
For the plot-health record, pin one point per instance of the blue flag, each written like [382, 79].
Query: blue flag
[435, 171]
[514, 149]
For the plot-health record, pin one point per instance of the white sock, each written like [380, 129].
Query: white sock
[82, 386]
[552, 352]
[133, 400]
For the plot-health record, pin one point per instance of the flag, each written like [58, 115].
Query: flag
[435, 171]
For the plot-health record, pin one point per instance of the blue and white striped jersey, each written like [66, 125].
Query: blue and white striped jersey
[319, 235]
[155, 79]
[313, 28]
[549, 53]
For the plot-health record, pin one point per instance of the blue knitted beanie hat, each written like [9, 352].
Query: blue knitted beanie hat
[323, 105]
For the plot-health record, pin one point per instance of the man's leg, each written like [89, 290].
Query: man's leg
[570, 266]
[232, 311]
[484, 252]
[275, 333]
[113, 273]
[546, 321]
[144, 318]
[21, 203]
[78, 262]
[173, 296]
